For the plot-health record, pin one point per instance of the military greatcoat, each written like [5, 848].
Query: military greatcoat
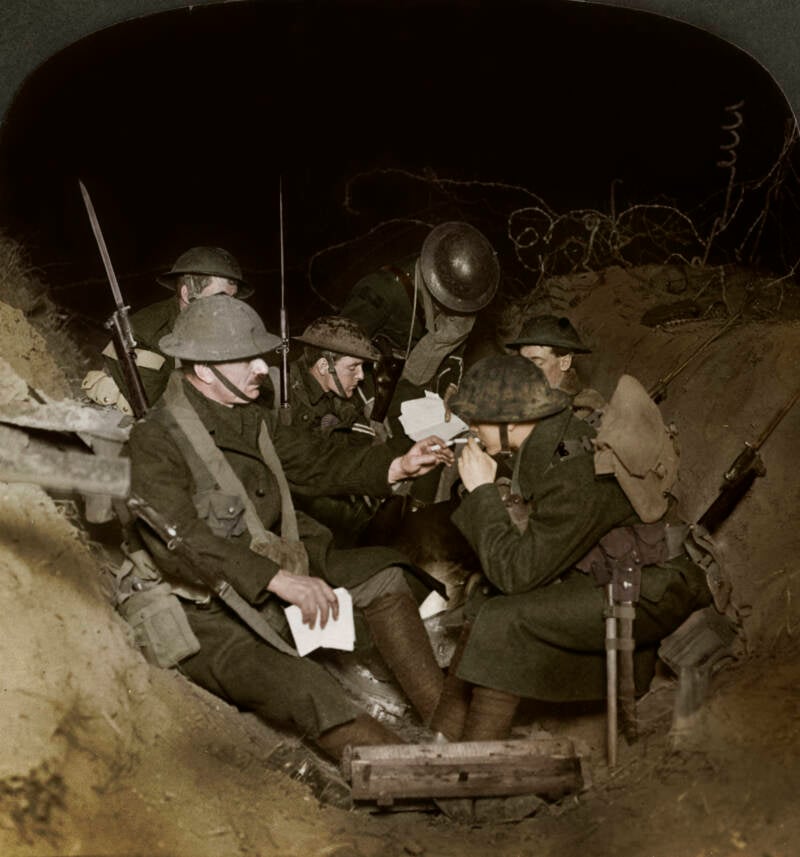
[233, 662]
[321, 410]
[324, 412]
[383, 304]
[540, 634]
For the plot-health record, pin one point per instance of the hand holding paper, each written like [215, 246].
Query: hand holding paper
[338, 633]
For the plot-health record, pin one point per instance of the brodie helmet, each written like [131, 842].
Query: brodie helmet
[339, 335]
[218, 329]
[506, 389]
[549, 330]
[209, 262]
[459, 267]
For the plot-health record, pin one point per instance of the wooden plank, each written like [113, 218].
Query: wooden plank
[544, 766]
[66, 415]
[26, 460]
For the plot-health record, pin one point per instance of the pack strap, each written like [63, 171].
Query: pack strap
[211, 469]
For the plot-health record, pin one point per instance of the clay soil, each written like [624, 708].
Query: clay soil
[103, 754]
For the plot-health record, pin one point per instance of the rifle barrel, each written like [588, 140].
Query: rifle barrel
[773, 424]
[658, 390]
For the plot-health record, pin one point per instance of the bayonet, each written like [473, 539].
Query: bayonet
[284, 412]
[119, 324]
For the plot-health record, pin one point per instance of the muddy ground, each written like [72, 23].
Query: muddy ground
[103, 754]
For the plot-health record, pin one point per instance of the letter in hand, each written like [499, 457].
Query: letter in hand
[475, 467]
[311, 594]
[420, 459]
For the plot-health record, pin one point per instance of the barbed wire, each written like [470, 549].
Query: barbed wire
[544, 243]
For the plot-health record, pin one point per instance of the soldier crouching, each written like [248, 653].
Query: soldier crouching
[539, 631]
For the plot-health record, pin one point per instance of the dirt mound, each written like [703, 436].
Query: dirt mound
[105, 755]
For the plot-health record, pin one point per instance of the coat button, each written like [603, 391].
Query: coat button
[260, 492]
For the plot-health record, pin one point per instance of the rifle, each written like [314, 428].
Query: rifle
[173, 541]
[284, 411]
[658, 392]
[742, 473]
[118, 323]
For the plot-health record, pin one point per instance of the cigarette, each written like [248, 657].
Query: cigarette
[435, 447]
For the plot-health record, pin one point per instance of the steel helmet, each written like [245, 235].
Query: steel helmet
[459, 267]
[340, 335]
[209, 262]
[218, 329]
[506, 389]
[549, 330]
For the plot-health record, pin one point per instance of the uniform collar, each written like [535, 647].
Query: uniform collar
[313, 390]
[233, 428]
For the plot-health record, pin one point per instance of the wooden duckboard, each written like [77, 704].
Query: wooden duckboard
[546, 766]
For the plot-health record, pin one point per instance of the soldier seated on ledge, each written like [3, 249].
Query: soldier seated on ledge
[218, 466]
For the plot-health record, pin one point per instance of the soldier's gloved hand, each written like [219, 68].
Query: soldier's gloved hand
[420, 459]
[475, 467]
[311, 594]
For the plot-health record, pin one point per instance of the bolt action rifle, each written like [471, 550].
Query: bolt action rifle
[118, 323]
[173, 541]
[741, 474]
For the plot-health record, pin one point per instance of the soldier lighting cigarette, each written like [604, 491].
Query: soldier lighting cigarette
[435, 447]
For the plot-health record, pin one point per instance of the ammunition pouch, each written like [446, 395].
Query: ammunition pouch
[618, 558]
[100, 388]
[702, 551]
[160, 627]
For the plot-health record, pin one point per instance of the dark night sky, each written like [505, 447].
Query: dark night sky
[181, 124]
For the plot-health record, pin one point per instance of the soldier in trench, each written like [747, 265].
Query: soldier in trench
[219, 467]
[536, 629]
[197, 273]
[551, 342]
[421, 310]
[326, 397]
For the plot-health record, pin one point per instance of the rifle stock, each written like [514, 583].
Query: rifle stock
[729, 498]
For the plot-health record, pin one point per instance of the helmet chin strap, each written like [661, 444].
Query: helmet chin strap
[505, 447]
[228, 384]
[330, 358]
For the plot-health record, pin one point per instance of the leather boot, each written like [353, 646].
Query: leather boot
[402, 640]
[451, 712]
[490, 715]
[363, 731]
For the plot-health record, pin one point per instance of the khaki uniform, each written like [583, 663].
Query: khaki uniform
[233, 662]
[540, 633]
[324, 412]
